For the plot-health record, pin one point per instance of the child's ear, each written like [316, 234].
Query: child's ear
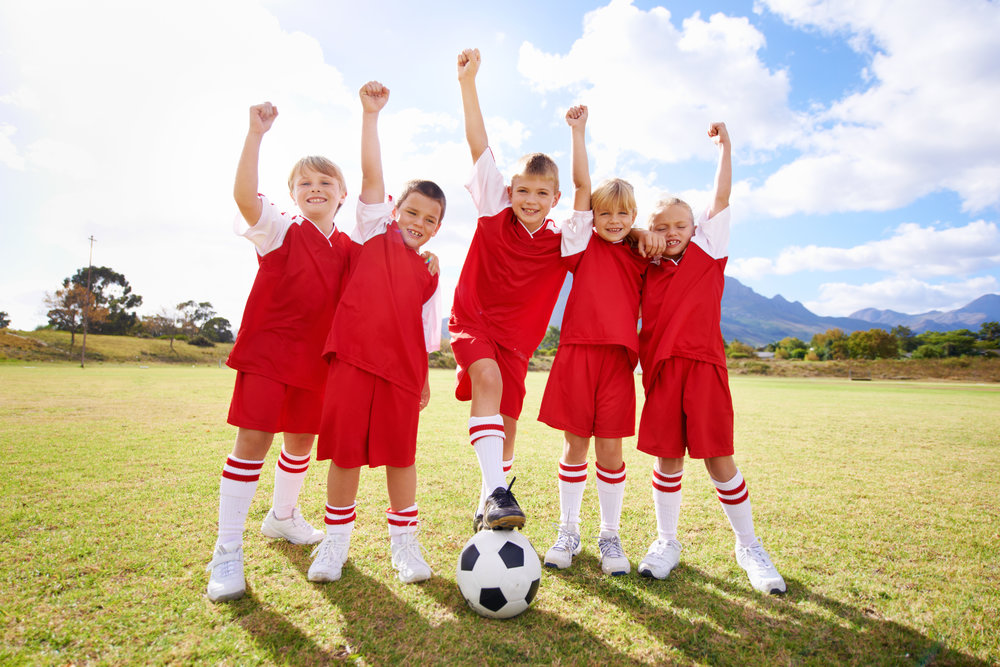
[555, 199]
[508, 192]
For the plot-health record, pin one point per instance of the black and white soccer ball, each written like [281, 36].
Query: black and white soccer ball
[498, 573]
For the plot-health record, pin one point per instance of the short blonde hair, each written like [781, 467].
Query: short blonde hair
[614, 194]
[320, 164]
[666, 202]
[537, 164]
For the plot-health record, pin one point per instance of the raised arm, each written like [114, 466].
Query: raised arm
[475, 127]
[724, 172]
[245, 189]
[576, 117]
[373, 97]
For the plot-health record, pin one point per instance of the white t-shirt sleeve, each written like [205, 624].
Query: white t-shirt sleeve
[712, 234]
[575, 232]
[487, 187]
[432, 316]
[269, 232]
[372, 220]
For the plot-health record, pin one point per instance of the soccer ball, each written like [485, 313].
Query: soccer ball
[498, 573]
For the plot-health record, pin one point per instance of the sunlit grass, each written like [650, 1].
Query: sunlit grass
[877, 501]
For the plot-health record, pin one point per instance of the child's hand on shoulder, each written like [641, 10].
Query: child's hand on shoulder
[262, 117]
[719, 134]
[373, 96]
[431, 260]
[468, 64]
[577, 116]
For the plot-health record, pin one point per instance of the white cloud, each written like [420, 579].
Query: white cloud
[913, 250]
[9, 154]
[652, 87]
[905, 295]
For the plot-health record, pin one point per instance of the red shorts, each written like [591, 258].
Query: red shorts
[263, 404]
[469, 348]
[591, 391]
[367, 420]
[688, 406]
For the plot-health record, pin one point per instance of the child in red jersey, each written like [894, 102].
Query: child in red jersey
[387, 321]
[278, 351]
[504, 298]
[688, 406]
[591, 389]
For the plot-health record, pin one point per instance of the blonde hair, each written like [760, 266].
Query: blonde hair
[537, 164]
[320, 164]
[666, 202]
[614, 194]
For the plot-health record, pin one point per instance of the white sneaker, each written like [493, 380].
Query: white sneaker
[329, 558]
[407, 559]
[763, 575]
[662, 557]
[613, 558]
[226, 581]
[561, 554]
[295, 529]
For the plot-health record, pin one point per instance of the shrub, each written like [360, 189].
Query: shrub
[200, 341]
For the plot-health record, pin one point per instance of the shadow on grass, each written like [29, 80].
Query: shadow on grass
[715, 621]
[380, 627]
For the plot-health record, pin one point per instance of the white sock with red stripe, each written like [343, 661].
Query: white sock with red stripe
[289, 473]
[340, 520]
[572, 483]
[236, 489]
[667, 500]
[735, 501]
[402, 522]
[508, 465]
[610, 493]
[487, 437]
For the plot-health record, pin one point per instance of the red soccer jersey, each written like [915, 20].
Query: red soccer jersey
[682, 302]
[511, 277]
[292, 301]
[603, 306]
[379, 326]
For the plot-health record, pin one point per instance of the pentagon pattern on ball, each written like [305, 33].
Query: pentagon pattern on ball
[498, 573]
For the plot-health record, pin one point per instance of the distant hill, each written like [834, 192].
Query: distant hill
[984, 309]
[758, 320]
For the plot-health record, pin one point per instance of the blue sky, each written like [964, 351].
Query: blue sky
[867, 154]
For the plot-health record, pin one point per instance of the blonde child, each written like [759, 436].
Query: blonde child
[278, 351]
[688, 406]
[591, 389]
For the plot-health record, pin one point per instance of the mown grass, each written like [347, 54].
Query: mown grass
[877, 500]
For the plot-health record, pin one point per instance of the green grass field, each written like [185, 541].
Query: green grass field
[877, 501]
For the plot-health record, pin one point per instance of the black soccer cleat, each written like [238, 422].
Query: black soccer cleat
[501, 511]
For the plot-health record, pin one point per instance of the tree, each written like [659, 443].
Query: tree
[739, 350]
[950, 343]
[193, 315]
[66, 309]
[905, 338]
[873, 344]
[990, 331]
[112, 292]
[218, 330]
[790, 348]
[165, 324]
[4, 319]
[550, 343]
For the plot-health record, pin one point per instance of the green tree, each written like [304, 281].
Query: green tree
[165, 324]
[740, 350]
[194, 315]
[790, 348]
[112, 292]
[904, 336]
[549, 344]
[873, 344]
[4, 319]
[951, 343]
[217, 330]
[990, 331]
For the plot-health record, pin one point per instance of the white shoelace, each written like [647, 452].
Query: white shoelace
[611, 547]
[566, 541]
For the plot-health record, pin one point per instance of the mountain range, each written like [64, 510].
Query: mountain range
[758, 320]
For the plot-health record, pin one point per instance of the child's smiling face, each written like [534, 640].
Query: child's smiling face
[613, 226]
[675, 225]
[531, 198]
[317, 195]
[418, 218]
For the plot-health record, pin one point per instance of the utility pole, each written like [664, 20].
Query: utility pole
[86, 303]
